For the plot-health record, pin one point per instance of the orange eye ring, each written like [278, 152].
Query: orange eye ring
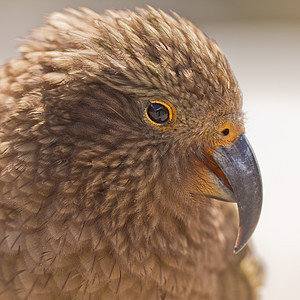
[160, 113]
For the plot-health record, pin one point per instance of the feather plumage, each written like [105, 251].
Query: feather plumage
[96, 203]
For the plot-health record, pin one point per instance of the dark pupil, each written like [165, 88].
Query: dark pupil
[158, 113]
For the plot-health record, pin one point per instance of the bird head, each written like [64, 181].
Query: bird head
[143, 108]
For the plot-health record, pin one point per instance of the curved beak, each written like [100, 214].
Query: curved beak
[239, 165]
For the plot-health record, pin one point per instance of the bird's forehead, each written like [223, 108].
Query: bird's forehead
[155, 50]
[146, 54]
[169, 57]
[144, 51]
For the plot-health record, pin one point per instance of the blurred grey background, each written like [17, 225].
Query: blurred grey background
[261, 39]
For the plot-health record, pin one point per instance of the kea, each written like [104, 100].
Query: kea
[125, 172]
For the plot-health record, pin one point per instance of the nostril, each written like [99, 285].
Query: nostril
[225, 131]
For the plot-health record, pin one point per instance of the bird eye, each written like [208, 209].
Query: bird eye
[159, 113]
[225, 131]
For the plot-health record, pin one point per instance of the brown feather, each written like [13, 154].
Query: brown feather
[94, 202]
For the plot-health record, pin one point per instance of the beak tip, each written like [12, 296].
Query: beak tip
[238, 247]
[240, 242]
[236, 250]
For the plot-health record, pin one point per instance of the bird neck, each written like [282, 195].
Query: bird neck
[184, 234]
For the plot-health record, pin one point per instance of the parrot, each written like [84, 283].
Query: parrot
[125, 171]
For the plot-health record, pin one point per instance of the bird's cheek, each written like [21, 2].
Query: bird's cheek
[209, 180]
